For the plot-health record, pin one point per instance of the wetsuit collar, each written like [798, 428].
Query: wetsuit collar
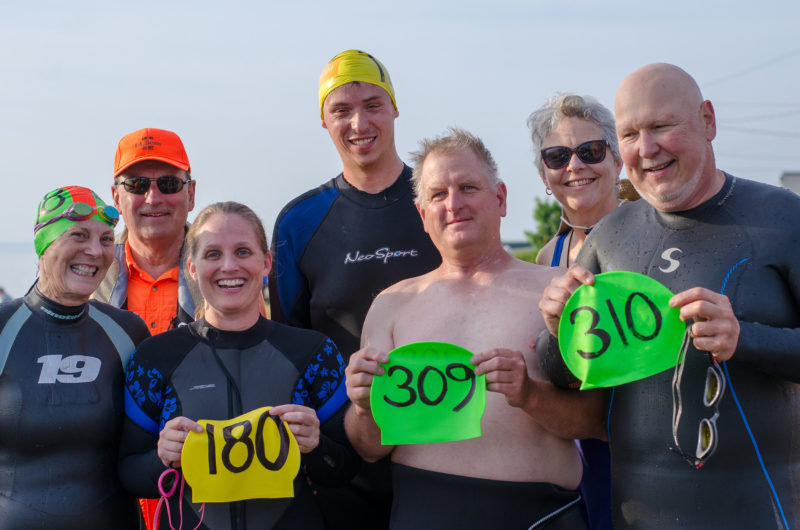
[687, 219]
[221, 338]
[53, 311]
[392, 194]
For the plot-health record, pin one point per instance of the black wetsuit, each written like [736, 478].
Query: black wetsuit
[743, 240]
[335, 249]
[61, 410]
[198, 371]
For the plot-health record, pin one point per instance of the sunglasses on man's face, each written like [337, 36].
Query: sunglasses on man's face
[167, 184]
[591, 152]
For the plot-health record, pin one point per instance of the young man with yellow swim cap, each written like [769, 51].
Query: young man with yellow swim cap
[337, 246]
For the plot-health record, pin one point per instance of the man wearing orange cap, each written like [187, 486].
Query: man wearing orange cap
[154, 192]
[337, 246]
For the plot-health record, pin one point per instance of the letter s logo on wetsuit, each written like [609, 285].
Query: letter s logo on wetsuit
[72, 369]
[672, 262]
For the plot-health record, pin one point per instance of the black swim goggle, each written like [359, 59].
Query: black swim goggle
[712, 395]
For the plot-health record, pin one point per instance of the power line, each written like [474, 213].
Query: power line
[761, 132]
[761, 117]
[772, 104]
[753, 68]
[758, 156]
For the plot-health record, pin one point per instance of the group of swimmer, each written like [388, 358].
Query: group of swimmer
[125, 343]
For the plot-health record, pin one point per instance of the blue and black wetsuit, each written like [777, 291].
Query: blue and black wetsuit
[745, 241]
[198, 371]
[337, 247]
[61, 410]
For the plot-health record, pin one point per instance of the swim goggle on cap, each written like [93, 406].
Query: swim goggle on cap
[353, 65]
[62, 208]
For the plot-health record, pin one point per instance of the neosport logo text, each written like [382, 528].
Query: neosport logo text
[382, 254]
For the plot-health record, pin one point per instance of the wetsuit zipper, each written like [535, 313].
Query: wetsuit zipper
[237, 509]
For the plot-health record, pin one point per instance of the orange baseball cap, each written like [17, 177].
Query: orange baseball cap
[150, 144]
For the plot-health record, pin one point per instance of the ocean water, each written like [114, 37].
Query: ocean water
[18, 266]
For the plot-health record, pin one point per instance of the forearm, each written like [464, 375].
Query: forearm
[364, 434]
[334, 461]
[567, 413]
[774, 351]
[557, 405]
[139, 466]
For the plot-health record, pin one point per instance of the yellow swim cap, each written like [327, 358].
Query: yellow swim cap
[353, 65]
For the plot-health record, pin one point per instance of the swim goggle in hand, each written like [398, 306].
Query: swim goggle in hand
[80, 211]
[177, 477]
[712, 395]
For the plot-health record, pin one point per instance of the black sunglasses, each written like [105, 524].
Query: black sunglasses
[590, 152]
[712, 395]
[167, 184]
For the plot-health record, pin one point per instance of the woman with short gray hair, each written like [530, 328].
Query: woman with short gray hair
[571, 137]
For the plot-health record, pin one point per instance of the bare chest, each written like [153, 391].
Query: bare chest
[478, 319]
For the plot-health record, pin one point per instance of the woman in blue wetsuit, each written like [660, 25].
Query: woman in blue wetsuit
[577, 155]
[229, 362]
[62, 362]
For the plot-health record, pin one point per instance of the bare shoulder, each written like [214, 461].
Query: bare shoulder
[530, 274]
[397, 295]
[545, 255]
[409, 286]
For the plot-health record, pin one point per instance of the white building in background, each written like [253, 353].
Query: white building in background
[791, 180]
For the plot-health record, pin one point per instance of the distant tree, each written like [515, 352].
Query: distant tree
[547, 215]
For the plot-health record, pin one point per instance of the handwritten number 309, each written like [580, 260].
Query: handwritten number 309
[469, 375]
[604, 336]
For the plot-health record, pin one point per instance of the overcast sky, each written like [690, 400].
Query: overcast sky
[238, 82]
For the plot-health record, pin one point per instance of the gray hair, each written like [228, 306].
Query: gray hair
[558, 106]
[455, 140]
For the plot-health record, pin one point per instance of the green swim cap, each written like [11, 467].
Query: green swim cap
[353, 65]
[63, 207]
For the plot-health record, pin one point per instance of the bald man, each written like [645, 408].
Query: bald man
[730, 249]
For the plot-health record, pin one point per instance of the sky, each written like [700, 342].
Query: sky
[238, 82]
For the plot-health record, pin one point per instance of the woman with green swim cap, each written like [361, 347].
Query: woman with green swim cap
[62, 361]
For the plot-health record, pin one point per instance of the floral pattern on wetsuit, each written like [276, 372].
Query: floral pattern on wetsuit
[322, 377]
[146, 386]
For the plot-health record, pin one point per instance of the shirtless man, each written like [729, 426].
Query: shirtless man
[484, 300]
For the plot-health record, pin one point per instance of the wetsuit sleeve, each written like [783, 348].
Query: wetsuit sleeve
[334, 461]
[775, 351]
[289, 295]
[149, 403]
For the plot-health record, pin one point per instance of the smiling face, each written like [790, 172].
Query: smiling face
[229, 265]
[73, 266]
[459, 206]
[665, 131]
[585, 191]
[154, 216]
[360, 119]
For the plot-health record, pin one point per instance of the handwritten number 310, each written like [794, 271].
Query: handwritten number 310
[603, 335]
[469, 375]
